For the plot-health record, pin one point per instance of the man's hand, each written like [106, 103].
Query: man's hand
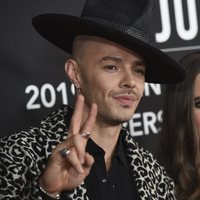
[65, 173]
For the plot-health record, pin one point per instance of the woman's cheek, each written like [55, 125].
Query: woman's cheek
[197, 118]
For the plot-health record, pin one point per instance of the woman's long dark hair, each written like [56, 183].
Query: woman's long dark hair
[180, 141]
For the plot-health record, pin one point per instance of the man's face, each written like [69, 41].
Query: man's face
[113, 78]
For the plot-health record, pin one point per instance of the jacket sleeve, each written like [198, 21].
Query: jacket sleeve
[19, 169]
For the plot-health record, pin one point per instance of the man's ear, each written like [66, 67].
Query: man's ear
[71, 70]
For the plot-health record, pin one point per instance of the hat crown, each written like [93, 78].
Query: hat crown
[125, 22]
[129, 12]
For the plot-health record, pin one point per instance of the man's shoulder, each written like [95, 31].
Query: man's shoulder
[57, 120]
[50, 130]
[136, 151]
[148, 160]
[146, 169]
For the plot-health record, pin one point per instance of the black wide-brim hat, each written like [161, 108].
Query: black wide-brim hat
[124, 22]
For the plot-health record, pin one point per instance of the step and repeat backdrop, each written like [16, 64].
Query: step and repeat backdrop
[32, 78]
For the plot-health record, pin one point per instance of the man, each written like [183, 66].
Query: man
[84, 153]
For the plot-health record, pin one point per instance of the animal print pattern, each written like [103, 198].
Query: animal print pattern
[23, 158]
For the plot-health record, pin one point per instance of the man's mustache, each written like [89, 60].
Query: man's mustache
[127, 91]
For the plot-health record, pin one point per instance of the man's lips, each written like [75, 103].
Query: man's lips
[125, 100]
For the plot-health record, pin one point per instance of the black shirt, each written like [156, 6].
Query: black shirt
[115, 184]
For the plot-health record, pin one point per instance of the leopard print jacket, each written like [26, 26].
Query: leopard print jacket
[23, 157]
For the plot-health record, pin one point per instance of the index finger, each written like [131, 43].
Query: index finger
[76, 119]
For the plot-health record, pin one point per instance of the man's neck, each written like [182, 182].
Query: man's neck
[106, 137]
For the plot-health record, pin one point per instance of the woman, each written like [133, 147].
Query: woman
[180, 143]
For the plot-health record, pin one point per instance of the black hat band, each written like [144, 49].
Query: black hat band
[130, 30]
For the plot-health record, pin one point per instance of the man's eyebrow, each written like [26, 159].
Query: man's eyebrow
[113, 58]
[118, 59]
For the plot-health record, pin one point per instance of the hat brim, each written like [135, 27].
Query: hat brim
[60, 30]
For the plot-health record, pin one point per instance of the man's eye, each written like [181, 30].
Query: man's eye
[140, 71]
[111, 67]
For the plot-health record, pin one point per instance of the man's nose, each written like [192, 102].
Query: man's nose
[128, 80]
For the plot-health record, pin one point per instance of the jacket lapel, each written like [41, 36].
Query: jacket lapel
[139, 168]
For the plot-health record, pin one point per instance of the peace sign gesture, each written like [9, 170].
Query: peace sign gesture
[69, 163]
